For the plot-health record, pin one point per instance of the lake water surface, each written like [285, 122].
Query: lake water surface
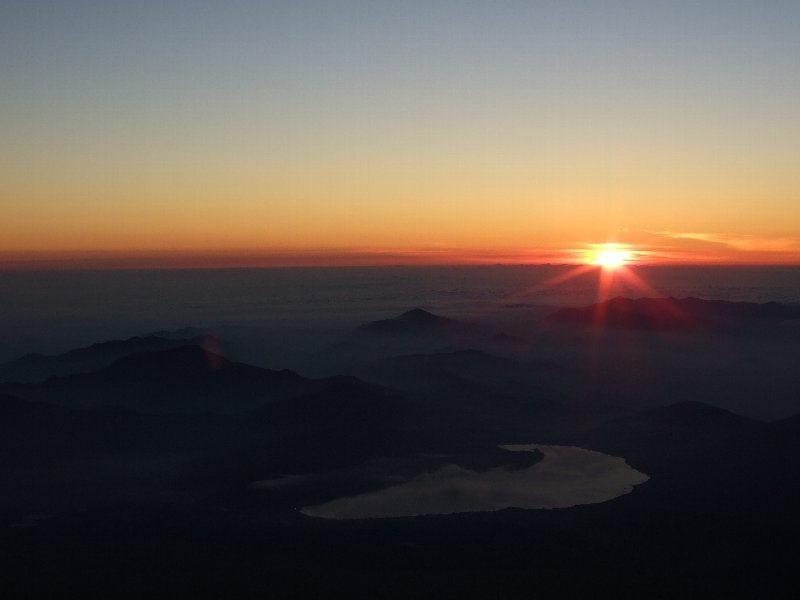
[566, 476]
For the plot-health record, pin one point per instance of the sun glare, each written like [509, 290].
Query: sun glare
[610, 258]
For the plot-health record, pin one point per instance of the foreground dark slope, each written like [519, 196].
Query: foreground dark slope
[58, 458]
[717, 518]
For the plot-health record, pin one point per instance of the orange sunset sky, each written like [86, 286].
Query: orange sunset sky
[287, 133]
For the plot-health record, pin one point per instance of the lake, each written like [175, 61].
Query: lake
[566, 476]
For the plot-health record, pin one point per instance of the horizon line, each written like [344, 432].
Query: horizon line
[81, 260]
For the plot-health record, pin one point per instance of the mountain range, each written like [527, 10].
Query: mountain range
[151, 456]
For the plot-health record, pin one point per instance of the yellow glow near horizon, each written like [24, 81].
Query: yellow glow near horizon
[610, 256]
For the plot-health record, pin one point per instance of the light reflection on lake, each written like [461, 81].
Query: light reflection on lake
[566, 476]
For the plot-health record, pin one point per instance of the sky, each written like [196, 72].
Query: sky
[371, 132]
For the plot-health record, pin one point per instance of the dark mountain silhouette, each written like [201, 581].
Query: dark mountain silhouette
[419, 322]
[347, 421]
[692, 425]
[671, 314]
[707, 460]
[307, 426]
[186, 379]
[790, 426]
[496, 399]
[438, 370]
[505, 339]
[37, 433]
[128, 468]
[697, 455]
[38, 367]
[12, 407]
[418, 331]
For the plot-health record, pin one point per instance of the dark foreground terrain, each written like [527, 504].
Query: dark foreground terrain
[156, 467]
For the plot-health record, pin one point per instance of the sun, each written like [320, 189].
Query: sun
[610, 258]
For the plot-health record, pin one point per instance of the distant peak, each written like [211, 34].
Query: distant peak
[419, 313]
[417, 321]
